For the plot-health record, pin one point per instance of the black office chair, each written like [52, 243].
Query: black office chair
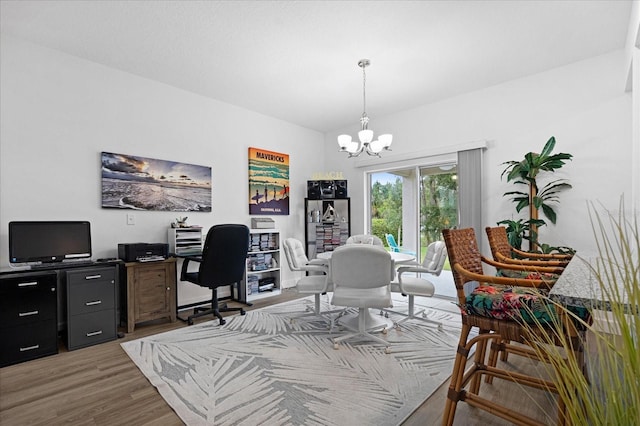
[223, 261]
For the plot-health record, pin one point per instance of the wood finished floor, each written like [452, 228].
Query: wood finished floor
[100, 385]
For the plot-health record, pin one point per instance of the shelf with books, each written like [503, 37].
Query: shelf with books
[262, 277]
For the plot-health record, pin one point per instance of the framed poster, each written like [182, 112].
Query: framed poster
[141, 183]
[268, 182]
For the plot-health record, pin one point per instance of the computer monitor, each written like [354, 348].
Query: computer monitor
[49, 241]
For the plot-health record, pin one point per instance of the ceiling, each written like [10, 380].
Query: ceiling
[297, 60]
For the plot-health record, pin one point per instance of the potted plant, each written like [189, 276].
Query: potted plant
[526, 172]
[517, 229]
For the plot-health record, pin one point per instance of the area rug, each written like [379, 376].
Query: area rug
[264, 369]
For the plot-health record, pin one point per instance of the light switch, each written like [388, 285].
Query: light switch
[131, 219]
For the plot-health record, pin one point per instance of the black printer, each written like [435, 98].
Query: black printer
[141, 252]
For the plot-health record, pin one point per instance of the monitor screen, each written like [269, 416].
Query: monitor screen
[49, 241]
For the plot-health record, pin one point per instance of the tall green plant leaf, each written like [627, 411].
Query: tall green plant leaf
[526, 172]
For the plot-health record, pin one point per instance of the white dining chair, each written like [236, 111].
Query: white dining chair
[361, 275]
[411, 284]
[365, 239]
[316, 285]
[298, 260]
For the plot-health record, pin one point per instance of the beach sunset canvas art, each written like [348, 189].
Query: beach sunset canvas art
[139, 183]
[268, 182]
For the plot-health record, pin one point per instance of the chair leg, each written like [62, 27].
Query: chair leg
[455, 392]
[413, 315]
[495, 349]
[215, 309]
[316, 311]
[364, 316]
[479, 360]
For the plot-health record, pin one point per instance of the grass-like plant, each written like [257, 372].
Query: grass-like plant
[607, 392]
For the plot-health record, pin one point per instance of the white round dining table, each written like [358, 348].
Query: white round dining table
[398, 258]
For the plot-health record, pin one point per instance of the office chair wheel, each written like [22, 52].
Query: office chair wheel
[223, 321]
[384, 330]
[243, 312]
[335, 345]
[189, 322]
[387, 350]
[440, 328]
[381, 312]
[396, 326]
[386, 314]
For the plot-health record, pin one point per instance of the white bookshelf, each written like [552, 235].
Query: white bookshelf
[264, 249]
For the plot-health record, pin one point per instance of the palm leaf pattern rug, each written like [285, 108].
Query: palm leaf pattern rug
[264, 369]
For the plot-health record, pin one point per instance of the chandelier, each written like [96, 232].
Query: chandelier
[366, 144]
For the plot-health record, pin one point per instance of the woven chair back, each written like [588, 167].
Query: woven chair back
[498, 242]
[462, 249]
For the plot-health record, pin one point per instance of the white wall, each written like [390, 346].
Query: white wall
[583, 105]
[59, 112]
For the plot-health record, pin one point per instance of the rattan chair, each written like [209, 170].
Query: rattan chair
[467, 266]
[504, 252]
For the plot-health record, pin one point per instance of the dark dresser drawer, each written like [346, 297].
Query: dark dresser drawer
[26, 299]
[89, 329]
[26, 285]
[29, 307]
[91, 296]
[28, 342]
[28, 316]
[91, 306]
[90, 275]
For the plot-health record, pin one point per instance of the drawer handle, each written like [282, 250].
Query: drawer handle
[94, 333]
[92, 277]
[29, 348]
[26, 314]
[96, 302]
[29, 284]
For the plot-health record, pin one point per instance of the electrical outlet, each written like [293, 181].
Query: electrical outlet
[131, 219]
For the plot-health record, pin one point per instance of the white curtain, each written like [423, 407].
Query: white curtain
[470, 195]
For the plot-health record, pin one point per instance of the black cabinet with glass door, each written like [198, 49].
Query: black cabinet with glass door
[328, 224]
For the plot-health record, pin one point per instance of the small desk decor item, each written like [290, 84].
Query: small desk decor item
[268, 182]
[181, 222]
[329, 214]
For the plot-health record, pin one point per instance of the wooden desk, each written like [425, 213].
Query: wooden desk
[151, 291]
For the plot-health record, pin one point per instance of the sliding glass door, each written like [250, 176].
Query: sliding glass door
[414, 204]
[438, 202]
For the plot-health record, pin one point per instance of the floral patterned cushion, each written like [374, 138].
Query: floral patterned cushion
[518, 303]
[509, 303]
